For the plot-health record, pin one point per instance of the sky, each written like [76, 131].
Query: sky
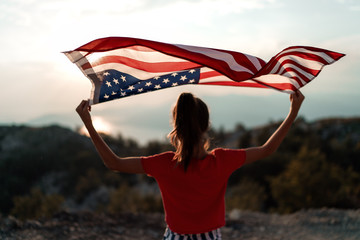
[40, 86]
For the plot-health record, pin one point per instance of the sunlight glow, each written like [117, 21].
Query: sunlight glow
[100, 125]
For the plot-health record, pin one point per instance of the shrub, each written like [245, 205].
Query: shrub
[311, 182]
[87, 183]
[36, 205]
[125, 199]
[247, 195]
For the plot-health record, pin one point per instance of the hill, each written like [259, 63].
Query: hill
[56, 168]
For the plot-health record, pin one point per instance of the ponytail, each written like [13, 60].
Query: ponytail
[191, 121]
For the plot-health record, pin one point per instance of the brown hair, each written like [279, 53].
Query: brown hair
[191, 121]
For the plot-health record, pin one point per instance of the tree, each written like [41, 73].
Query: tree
[311, 182]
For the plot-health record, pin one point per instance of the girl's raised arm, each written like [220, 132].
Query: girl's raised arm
[272, 144]
[110, 159]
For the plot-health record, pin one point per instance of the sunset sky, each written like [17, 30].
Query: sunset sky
[40, 86]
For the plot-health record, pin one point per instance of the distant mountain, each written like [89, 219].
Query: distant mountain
[342, 129]
[67, 120]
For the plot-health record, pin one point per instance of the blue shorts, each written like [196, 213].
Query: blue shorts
[212, 235]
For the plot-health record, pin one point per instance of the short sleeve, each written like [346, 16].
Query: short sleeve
[230, 159]
[156, 164]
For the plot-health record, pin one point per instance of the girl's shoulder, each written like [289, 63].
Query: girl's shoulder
[228, 153]
[163, 155]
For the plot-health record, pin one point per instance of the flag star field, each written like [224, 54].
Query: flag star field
[117, 84]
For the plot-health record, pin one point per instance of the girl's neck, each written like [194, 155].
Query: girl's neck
[200, 153]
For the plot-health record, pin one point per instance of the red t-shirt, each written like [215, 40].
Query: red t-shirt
[194, 201]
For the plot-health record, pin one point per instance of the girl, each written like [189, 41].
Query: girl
[192, 180]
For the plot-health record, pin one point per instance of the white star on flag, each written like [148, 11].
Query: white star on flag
[183, 78]
[116, 81]
[108, 84]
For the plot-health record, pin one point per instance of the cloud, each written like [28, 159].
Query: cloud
[353, 5]
[45, 13]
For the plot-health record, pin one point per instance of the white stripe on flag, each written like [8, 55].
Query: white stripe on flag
[274, 78]
[140, 74]
[323, 55]
[143, 56]
[306, 74]
[254, 61]
[311, 64]
[214, 77]
[223, 56]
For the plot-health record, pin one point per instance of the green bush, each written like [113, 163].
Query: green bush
[247, 195]
[87, 183]
[311, 182]
[125, 199]
[36, 205]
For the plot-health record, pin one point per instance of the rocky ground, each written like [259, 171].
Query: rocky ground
[320, 224]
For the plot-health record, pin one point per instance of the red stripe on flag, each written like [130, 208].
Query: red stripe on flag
[299, 76]
[278, 86]
[209, 74]
[294, 63]
[236, 84]
[140, 48]
[144, 66]
[334, 55]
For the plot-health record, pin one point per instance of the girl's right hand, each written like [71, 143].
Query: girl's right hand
[84, 112]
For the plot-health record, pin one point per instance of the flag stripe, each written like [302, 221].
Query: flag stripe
[140, 48]
[329, 56]
[292, 71]
[223, 56]
[310, 64]
[306, 54]
[309, 61]
[158, 67]
[209, 76]
[278, 86]
[273, 80]
[137, 73]
[308, 72]
[137, 53]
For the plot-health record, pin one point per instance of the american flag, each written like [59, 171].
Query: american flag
[120, 67]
